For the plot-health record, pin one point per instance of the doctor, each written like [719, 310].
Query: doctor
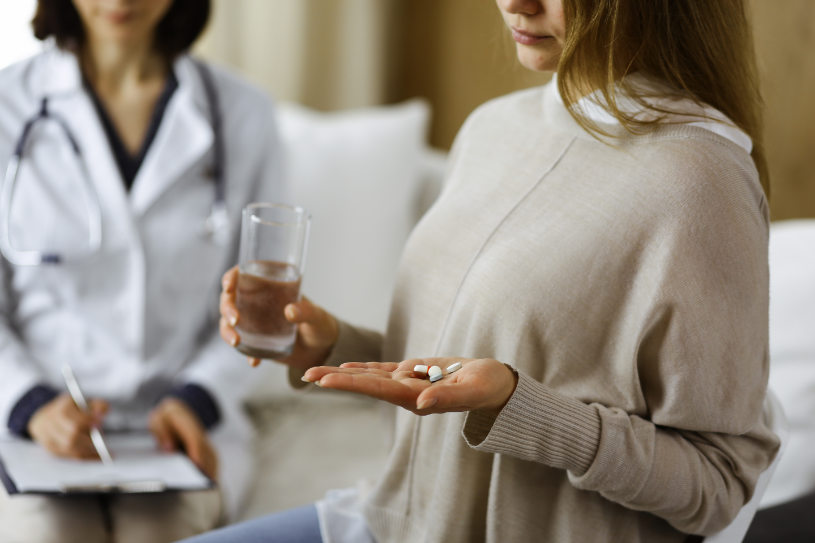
[113, 251]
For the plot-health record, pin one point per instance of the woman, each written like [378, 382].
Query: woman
[597, 262]
[173, 149]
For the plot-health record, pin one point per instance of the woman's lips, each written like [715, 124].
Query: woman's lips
[119, 17]
[527, 38]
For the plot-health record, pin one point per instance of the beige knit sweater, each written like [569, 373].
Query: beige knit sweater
[628, 285]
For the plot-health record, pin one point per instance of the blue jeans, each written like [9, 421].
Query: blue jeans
[299, 525]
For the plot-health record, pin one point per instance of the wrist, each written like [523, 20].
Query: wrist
[19, 421]
[512, 384]
[199, 401]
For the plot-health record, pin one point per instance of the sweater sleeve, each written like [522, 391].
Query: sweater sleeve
[693, 454]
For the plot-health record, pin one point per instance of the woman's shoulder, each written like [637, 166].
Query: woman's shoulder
[525, 102]
[22, 86]
[24, 77]
[504, 113]
[695, 167]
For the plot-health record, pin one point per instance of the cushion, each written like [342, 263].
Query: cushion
[792, 353]
[361, 174]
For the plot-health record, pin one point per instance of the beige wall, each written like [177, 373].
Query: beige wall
[327, 54]
[785, 43]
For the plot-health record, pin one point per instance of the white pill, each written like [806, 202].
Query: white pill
[435, 373]
[420, 368]
[455, 366]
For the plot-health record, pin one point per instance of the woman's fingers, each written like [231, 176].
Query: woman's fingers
[227, 307]
[384, 366]
[228, 333]
[229, 280]
[312, 375]
[374, 385]
[316, 326]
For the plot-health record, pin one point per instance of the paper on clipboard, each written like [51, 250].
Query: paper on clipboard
[138, 467]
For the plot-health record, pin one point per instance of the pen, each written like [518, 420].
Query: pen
[79, 400]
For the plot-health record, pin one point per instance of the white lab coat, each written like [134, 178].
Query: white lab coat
[141, 315]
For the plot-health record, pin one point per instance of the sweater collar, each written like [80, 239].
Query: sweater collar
[688, 112]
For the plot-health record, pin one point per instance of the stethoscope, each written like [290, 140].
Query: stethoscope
[216, 224]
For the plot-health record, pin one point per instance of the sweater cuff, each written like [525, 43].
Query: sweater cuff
[201, 402]
[26, 406]
[539, 425]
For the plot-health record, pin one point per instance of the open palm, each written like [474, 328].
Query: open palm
[481, 383]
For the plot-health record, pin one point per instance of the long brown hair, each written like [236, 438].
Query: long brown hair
[702, 48]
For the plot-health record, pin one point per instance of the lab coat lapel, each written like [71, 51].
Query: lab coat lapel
[184, 136]
[61, 82]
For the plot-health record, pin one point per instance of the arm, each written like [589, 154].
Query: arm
[693, 454]
[21, 378]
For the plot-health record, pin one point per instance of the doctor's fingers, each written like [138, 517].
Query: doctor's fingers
[68, 437]
[173, 423]
[98, 409]
[160, 427]
[196, 444]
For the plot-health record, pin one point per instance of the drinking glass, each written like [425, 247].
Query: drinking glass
[272, 257]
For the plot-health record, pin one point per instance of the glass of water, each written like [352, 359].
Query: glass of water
[272, 256]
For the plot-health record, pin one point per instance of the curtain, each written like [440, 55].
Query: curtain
[326, 54]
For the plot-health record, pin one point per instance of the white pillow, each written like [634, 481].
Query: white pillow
[792, 353]
[359, 172]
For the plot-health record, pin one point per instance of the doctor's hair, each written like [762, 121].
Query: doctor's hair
[704, 49]
[183, 23]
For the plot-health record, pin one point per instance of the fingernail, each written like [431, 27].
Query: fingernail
[233, 341]
[305, 379]
[233, 320]
[426, 403]
[291, 312]
[317, 383]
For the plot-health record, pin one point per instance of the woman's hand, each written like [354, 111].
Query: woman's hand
[174, 425]
[317, 330]
[480, 383]
[64, 429]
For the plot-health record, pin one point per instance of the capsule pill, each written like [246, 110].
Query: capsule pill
[455, 366]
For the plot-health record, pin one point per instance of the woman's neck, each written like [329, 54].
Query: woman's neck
[112, 68]
[128, 81]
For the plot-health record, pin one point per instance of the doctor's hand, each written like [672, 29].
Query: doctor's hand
[175, 426]
[64, 430]
[317, 329]
[479, 384]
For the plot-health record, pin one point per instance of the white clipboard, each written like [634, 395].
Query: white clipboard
[138, 467]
